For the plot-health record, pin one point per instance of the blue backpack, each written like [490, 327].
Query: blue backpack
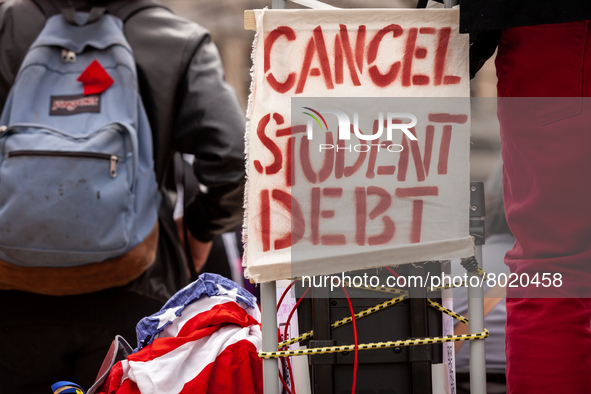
[77, 183]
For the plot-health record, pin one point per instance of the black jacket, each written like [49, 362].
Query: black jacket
[485, 15]
[484, 20]
[191, 110]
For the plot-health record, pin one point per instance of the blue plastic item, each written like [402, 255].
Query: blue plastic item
[65, 387]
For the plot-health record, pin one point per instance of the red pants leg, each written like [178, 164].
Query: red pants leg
[546, 148]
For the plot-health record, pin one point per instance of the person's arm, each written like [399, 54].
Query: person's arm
[210, 125]
[482, 47]
[20, 24]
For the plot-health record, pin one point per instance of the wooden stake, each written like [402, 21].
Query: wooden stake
[250, 22]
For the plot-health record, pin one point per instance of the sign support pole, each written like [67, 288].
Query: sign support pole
[269, 311]
[475, 293]
[269, 331]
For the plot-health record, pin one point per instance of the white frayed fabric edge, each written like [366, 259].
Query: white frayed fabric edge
[249, 110]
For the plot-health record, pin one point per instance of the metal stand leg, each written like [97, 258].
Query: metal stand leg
[477, 351]
[269, 310]
[475, 293]
[420, 356]
[269, 328]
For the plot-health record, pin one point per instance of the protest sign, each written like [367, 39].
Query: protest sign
[357, 141]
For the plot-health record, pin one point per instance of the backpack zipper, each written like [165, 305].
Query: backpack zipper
[87, 155]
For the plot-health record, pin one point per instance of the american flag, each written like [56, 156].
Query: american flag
[204, 340]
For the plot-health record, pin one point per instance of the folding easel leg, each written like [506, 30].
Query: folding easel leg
[477, 351]
[269, 328]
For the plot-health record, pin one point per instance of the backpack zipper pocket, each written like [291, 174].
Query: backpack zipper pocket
[65, 200]
[113, 159]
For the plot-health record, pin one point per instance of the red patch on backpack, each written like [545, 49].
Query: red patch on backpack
[95, 79]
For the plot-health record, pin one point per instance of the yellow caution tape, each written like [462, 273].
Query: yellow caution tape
[302, 337]
[380, 345]
[369, 311]
[447, 311]
[346, 320]
[376, 345]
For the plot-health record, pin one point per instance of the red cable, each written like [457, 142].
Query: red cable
[285, 333]
[279, 339]
[295, 307]
[284, 293]
[287, 361]
[287, 328]
[392, 272]
[355, 338]
[285, 386]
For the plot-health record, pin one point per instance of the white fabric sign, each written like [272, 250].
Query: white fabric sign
[343, 172]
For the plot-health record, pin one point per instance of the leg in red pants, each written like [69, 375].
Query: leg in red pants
[546, 148]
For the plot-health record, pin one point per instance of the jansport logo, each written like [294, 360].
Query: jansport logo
[70, 105]
[394, 121]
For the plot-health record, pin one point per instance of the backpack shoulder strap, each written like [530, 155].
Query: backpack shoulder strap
[48, 8]
[94, 15]
[125, 9]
